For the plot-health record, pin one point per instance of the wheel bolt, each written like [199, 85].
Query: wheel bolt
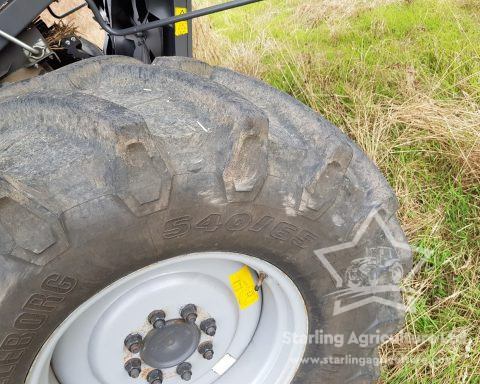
[155, 377]
[206, 350]
[184, 370]
[133, 342]
[157, 319]
[209, 326]
[133, 367]
[189, 313]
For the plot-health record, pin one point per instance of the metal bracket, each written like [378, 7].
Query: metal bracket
[43, 52]
[36, 53]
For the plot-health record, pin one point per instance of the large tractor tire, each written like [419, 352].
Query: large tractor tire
[168, 223]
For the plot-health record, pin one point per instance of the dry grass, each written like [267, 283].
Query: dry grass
[332, 11]
[59, 30]
[244, 56]
[454, 125]
[83, 20]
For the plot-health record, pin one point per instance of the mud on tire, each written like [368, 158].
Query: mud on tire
[109, 165]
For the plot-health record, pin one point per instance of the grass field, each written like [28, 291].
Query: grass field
[402, 79]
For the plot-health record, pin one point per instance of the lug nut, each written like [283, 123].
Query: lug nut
[157, 319]
[134, 342]
[186, 376]
[133, 367]
[209, 326]
[184, 370]
[206, 350]
[155, 377]
[189, 313]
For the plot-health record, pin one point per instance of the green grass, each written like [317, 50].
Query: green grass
[403, 80]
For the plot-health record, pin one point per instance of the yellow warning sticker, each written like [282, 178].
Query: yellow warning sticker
[243, 286]
[181, 28]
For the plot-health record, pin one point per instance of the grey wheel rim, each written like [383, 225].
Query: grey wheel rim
[247, 347]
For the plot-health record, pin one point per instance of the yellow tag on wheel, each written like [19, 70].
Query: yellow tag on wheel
[181, 28]
[243, 286]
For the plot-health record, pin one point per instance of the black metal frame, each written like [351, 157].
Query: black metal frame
[143, 29]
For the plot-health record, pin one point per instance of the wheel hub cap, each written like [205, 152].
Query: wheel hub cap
[170, 345]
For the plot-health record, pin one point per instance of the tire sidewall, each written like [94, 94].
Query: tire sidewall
[39, 302]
